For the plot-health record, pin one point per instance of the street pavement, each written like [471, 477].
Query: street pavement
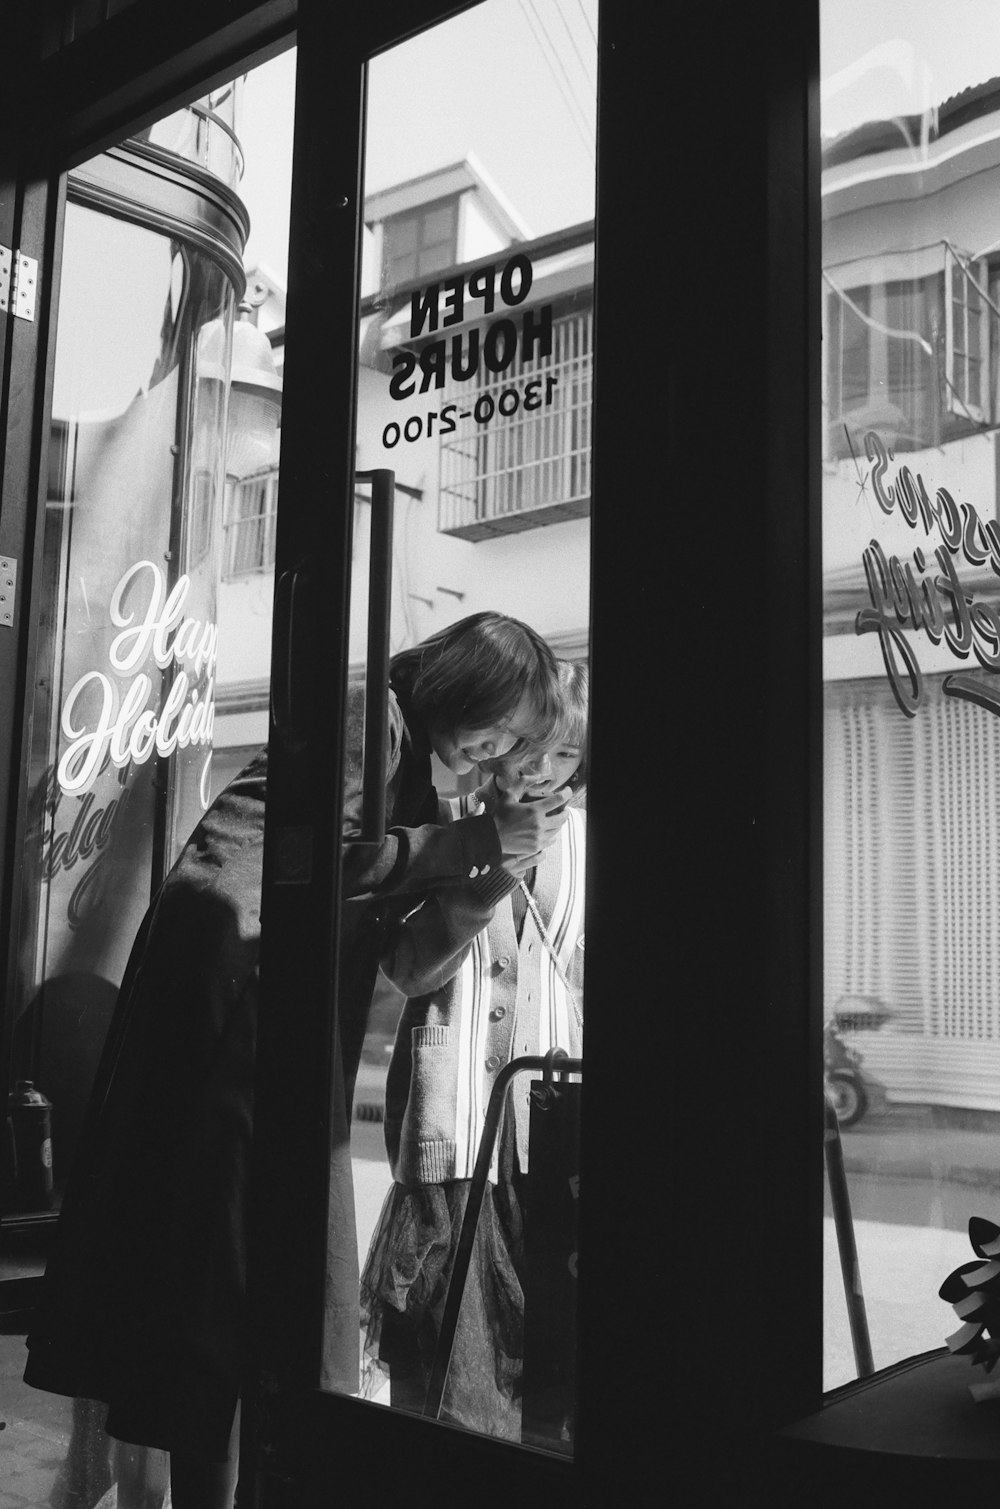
[372, 1179]
[928, 1142]
[372, 1176]
[915, 1175]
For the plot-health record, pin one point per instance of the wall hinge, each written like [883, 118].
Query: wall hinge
[8, 590]
[18, 283]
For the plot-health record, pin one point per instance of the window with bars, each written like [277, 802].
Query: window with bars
[251, 518]
[911, 357]
[519, 456]
[882, 362]
[967, 337]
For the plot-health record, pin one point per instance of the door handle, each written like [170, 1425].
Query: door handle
[290, 592]
[376, 755]
[289, 699]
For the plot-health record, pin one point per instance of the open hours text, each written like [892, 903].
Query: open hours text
[535, 394]
[466, 300]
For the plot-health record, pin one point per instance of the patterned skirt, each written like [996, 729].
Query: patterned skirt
[404, 1288]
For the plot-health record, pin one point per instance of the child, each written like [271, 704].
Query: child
[493, 971]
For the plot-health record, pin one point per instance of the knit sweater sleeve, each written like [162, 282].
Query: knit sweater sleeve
[428, 947]
[406, 859]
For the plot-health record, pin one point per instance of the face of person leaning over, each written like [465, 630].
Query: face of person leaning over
[464, 748]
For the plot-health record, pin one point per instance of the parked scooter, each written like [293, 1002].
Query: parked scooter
[843, 1080]
[851, 1090]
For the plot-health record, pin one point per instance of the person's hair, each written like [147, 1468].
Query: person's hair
[571, 725]
[475, 673]
[574, 692]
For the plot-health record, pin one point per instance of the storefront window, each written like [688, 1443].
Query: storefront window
[475, 372]
[123, 700]
[165, 398]
[911, 556]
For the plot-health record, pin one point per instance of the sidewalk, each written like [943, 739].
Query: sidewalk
[369, 1091]
[926, 1142]
[916, 1174]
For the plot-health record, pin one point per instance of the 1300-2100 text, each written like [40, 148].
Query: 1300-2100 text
[537, 394]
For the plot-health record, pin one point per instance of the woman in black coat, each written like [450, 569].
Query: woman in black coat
[144, 1295]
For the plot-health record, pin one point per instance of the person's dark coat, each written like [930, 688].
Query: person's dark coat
[142, 1303]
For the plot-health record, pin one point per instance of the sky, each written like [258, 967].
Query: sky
[883, 58]
[529, 118]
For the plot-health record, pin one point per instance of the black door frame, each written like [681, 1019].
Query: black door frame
[703, 936]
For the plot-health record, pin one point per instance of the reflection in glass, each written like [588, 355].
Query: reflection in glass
[911, 557]
[475, 379]
[123, 697]
[204, 133]
[123, 726]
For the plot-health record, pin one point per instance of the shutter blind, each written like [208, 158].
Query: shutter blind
[912, 860]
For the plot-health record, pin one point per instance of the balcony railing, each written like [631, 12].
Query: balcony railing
[508, 467]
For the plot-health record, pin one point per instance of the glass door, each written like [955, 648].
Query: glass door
[458, 502]
[162, 412]
[475, 374]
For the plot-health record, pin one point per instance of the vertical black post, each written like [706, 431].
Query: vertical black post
[551, 1244]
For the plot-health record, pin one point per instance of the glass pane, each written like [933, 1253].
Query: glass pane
[475, 383]
[123, 693]
[150, 693]
[911, 555]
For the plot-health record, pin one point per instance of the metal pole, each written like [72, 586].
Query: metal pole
[555, 1061]
[850, 1272]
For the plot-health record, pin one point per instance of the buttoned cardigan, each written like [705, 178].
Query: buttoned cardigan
[478, 997]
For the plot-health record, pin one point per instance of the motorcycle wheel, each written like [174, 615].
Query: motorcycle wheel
[848, 1096]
